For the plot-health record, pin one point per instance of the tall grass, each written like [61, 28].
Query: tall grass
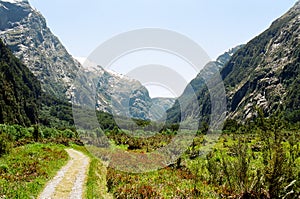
[26, 169]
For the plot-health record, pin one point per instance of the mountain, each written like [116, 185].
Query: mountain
[263, 74]
[160, 107]
[24, 30]
[185, 106]
[19, 91]
[117, 94]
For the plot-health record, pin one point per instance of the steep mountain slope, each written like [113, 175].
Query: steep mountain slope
[266, 72]
[184, 107]
[25, 32]
[263, 74]
[19, 91]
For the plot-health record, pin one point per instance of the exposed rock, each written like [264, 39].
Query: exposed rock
[25, 32]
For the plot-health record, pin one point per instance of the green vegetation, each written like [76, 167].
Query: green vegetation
[147, 144]
[55, 112]
[96, 184]
[31, 156]
[15, 135]
[257, 160]
[20, 91]
[26, 169]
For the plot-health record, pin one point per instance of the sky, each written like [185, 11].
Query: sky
[215, 25]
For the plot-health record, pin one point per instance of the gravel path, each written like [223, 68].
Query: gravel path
[69, 183]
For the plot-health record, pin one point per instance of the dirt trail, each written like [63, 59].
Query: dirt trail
[69, 183]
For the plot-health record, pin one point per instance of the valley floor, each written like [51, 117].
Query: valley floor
[260, 162]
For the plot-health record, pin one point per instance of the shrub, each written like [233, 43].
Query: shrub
[50, 133]
[69, 134]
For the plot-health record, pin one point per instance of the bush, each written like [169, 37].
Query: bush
[69, 134]
[19, 132]
[50, 133]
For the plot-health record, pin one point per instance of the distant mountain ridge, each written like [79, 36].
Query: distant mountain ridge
[120, 95]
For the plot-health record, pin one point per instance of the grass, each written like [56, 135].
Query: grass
[96, 181]
[25, 170]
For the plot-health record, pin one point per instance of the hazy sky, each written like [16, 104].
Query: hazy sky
[216, 25]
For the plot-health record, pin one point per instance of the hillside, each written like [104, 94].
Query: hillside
[19, 91]
[116, 93]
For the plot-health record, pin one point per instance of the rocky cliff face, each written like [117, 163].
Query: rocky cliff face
[24, 30]
[263, 74]
[160, 107]
[119, 95]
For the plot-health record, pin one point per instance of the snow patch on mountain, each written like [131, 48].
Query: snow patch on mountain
[91, 66]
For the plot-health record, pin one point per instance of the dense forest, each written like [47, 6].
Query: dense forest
[20, 91]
